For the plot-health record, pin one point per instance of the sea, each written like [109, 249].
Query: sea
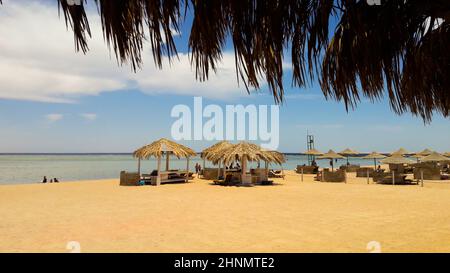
[31, 168]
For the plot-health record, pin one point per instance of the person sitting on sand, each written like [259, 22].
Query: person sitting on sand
[55, 180]
[51, 180]
[44, 180]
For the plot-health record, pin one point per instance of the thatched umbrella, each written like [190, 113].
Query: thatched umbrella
[243, 152]
[401, 151]
[447, 154]
[422, 154]
[164, 146]
[313, 153]
[349, 152]
[374, 156]
[401, 41]
[396, 159]
[331, 155]
[275, 157]
[435, 157]
[425, 152]
[210, 152]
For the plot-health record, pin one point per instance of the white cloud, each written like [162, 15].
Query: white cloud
[54, 117]
[39, 63]
[89, 116]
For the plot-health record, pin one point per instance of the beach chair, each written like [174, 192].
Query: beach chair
[275, 174]
[227, 179]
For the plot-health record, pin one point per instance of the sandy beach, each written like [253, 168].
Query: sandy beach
[291, 216]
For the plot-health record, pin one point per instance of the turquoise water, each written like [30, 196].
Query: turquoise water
[17, 169]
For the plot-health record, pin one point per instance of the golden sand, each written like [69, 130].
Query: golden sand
[292, 216]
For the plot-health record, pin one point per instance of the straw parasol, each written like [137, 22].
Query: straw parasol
[313, 152]
[163, 146]
[401, 151]
[396, 159]
[209, 152]
[349, 152]
[374, 156]
[425, 152]
[244, 152]
[331, 155]
[447, 154]
[435, 157]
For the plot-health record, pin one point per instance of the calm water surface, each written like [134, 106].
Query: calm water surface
[16, 169]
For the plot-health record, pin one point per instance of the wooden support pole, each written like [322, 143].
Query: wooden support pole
[139, 166]
[368, 175]
[187, 169]
[393, 178]
[302, 174]
[421, 177]
[167, 161]
[158, 177]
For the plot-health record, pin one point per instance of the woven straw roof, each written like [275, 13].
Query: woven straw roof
[396, 159]
[247, 151]
[401, 151]
[209, 152]
[374, 155]
[277, 157]
[349, 151]
[425, 152]
[313, 152]
[403, 61]
[435, 157]
[330, 155]
[156, 149]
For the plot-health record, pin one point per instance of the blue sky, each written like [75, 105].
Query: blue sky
[55, 100]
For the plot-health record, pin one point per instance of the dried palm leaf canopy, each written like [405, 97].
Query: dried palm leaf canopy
[213, 150]
[245, 151]
[397, 49]
[157, 148]
[313, 152]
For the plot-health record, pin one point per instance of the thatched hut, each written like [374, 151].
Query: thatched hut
[160, 147]
[244, 152]
[210, 152]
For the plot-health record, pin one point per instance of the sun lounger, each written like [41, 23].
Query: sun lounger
[273, 174]
[229, 181]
